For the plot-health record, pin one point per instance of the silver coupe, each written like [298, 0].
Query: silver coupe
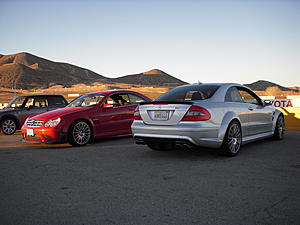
[222, 116]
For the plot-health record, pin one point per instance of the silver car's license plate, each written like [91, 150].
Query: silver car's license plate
[161, 115]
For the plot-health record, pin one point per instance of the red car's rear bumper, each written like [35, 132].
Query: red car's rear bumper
[49, 135]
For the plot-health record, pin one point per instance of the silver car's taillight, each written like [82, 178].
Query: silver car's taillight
[137, 115]
[196, 113]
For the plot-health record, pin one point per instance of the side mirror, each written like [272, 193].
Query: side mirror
[267, 102]
[107, 106]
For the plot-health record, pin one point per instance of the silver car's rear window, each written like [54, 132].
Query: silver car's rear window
[189, 93]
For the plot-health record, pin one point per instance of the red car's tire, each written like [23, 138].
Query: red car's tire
[80, 133]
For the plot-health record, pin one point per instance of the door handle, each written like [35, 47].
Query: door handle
[251, 108]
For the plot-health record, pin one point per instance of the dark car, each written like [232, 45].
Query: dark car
[16, 112]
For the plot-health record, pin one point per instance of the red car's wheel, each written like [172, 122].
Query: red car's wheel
[80, 133]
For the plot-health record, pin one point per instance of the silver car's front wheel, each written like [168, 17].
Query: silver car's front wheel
[80, 133]
[232, 141]
[9, 126]
[279, 129]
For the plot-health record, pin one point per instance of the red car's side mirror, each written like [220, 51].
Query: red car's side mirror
[107, 106]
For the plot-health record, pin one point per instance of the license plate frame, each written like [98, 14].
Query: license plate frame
[29, 132]
[161, 115]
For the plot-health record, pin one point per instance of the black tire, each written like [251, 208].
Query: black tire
[9, 126]
[160, 146]
[279, 128]
[80, 133]
[232, 141]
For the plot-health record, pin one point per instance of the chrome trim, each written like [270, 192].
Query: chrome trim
[34, 123]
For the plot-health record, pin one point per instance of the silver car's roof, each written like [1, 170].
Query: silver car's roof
[221, 92]
[217, 84]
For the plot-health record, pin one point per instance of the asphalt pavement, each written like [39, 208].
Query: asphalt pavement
[115, 182]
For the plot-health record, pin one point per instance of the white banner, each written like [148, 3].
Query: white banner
[285, 102]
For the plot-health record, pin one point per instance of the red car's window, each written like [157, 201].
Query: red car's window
[134, 99]
[86, 100]
[118, 100]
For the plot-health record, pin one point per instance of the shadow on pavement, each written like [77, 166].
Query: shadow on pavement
[291, 122]
[117, 140]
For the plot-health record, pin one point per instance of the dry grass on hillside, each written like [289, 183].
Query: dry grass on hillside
[153, 92]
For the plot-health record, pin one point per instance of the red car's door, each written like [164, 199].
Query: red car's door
[114, 120]
[118, 118]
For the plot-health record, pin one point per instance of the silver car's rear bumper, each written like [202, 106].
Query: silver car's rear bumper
[201, 134]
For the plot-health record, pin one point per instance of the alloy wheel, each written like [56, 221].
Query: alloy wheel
[9, 126]
[280, 127]
[81, 133]
[234, 138]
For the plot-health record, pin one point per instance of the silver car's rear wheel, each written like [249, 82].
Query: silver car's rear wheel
[9, 126]
[232, 141]
[80, 133]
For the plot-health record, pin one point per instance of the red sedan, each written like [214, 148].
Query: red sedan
[94, 115]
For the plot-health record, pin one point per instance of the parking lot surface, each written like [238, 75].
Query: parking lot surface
[113, 181]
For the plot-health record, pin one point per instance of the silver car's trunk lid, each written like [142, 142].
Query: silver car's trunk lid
[163, 113]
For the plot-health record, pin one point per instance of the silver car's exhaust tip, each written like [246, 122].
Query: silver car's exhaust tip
[183, 144]
[139, 141]
[175, 143]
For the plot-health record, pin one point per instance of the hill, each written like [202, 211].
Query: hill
[262, 85]
[26, 71]
[153, 77]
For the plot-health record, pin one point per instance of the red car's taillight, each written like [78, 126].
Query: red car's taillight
[137, 115]
[196, 113]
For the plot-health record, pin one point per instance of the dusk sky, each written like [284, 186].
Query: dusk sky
[206, 41]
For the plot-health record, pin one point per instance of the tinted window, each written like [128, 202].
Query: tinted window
[118, 100]
[233, 95]
[134, 99]
[56, 100]
[16, 102]
[248, 97]
[86, 100]
[238, 94]
[36, 101]
[189, 93]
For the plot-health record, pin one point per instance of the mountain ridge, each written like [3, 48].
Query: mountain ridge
[262, 85]
[152, 77]
[27, 71]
